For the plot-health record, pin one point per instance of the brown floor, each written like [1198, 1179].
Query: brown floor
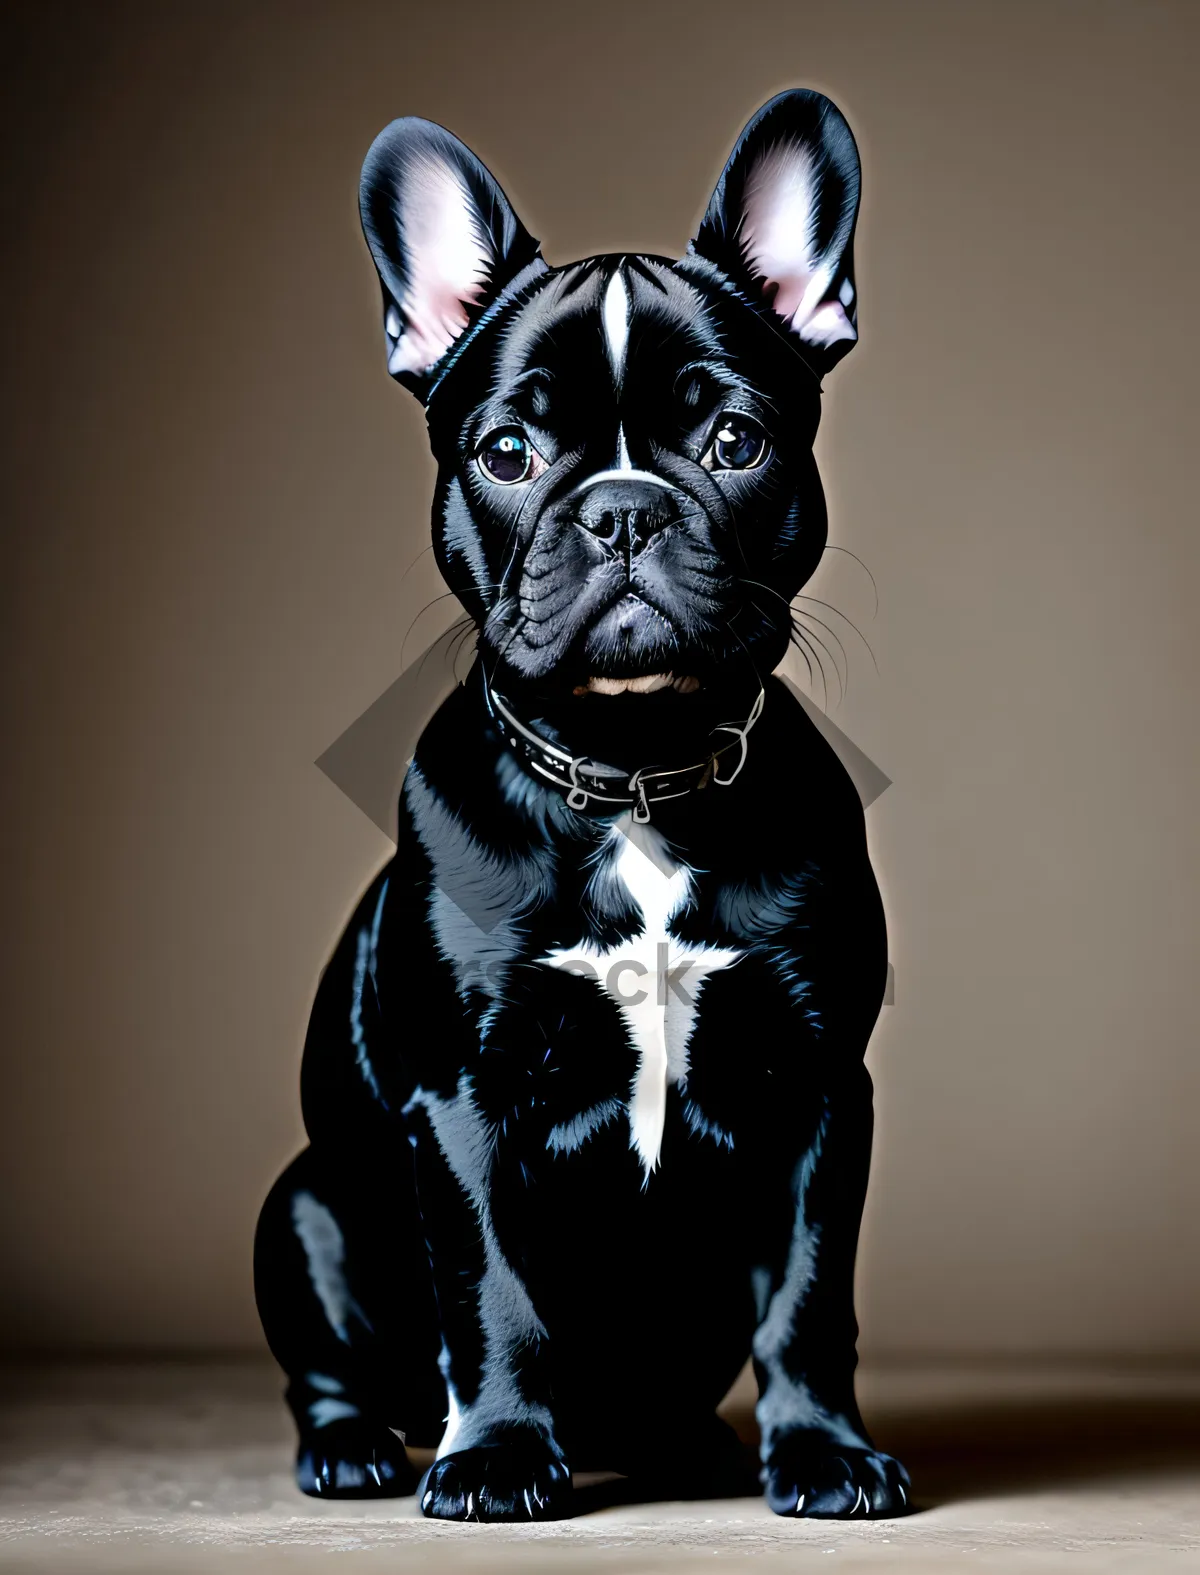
[186, 1467]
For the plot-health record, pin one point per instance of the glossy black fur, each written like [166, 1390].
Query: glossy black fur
[471, 1224]
[734, 549]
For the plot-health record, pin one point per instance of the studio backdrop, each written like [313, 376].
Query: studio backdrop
[216, 510]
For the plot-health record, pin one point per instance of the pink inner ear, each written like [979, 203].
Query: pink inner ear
[449, 262]
[827, 325]
[777, 242]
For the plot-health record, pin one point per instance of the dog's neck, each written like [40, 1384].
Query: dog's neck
[600, 750]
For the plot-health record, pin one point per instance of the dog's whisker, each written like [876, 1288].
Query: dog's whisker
[794, 616]
[501, 654]
[453, 632]
[816, 600]
[813, 636]
[803, 645]
[830, 547]
[809, 619]
[795, 612]
[427, 548]
[459, 643]
[792, 640]
[753, 664]
[433, 602]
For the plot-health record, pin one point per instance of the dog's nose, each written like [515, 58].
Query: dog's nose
[626, 516]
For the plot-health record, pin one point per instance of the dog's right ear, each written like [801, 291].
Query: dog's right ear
[444, 238]
[781, 222]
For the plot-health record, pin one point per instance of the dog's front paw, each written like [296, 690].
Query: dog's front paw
[810, 1475]
[350, 1459]
[506, 1481]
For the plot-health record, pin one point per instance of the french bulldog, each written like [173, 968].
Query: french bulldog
[584, 1080]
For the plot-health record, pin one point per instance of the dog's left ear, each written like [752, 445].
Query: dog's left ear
[444, 238]
[781, 221]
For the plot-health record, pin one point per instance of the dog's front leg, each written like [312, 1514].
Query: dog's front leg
[818, 1459]
[499, 1458]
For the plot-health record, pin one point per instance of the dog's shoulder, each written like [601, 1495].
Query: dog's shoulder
[806, 768]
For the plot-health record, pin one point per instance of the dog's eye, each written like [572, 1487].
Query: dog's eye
[507, 456]
[737, 444]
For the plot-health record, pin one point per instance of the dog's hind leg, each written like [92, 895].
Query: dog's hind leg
[343, 1288]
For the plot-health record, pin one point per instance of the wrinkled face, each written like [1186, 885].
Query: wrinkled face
[627, 498]
[627, 491]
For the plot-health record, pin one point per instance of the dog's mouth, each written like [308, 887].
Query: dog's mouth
[665, 716]
[643, 684]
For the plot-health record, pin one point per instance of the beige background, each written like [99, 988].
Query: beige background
[214, 499]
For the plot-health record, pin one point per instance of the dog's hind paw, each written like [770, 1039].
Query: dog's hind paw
[353, 1460]
[815, 1478]
[506, 1481]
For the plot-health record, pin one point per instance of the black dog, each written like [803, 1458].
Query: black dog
[584, 1081]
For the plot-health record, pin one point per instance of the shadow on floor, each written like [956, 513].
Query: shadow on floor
[983, 1451]
[986, 1451]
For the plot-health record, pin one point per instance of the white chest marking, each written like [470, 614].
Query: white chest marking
[654, 979]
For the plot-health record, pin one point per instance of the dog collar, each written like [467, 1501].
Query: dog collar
[586, 781]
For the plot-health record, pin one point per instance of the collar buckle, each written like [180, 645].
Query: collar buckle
[641, 805]
[577, 798]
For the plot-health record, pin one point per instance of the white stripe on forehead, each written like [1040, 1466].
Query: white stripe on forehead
[616, 321]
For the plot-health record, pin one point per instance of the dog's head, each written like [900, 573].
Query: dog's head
[627, 499]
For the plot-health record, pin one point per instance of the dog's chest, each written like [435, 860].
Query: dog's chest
[653, 979]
